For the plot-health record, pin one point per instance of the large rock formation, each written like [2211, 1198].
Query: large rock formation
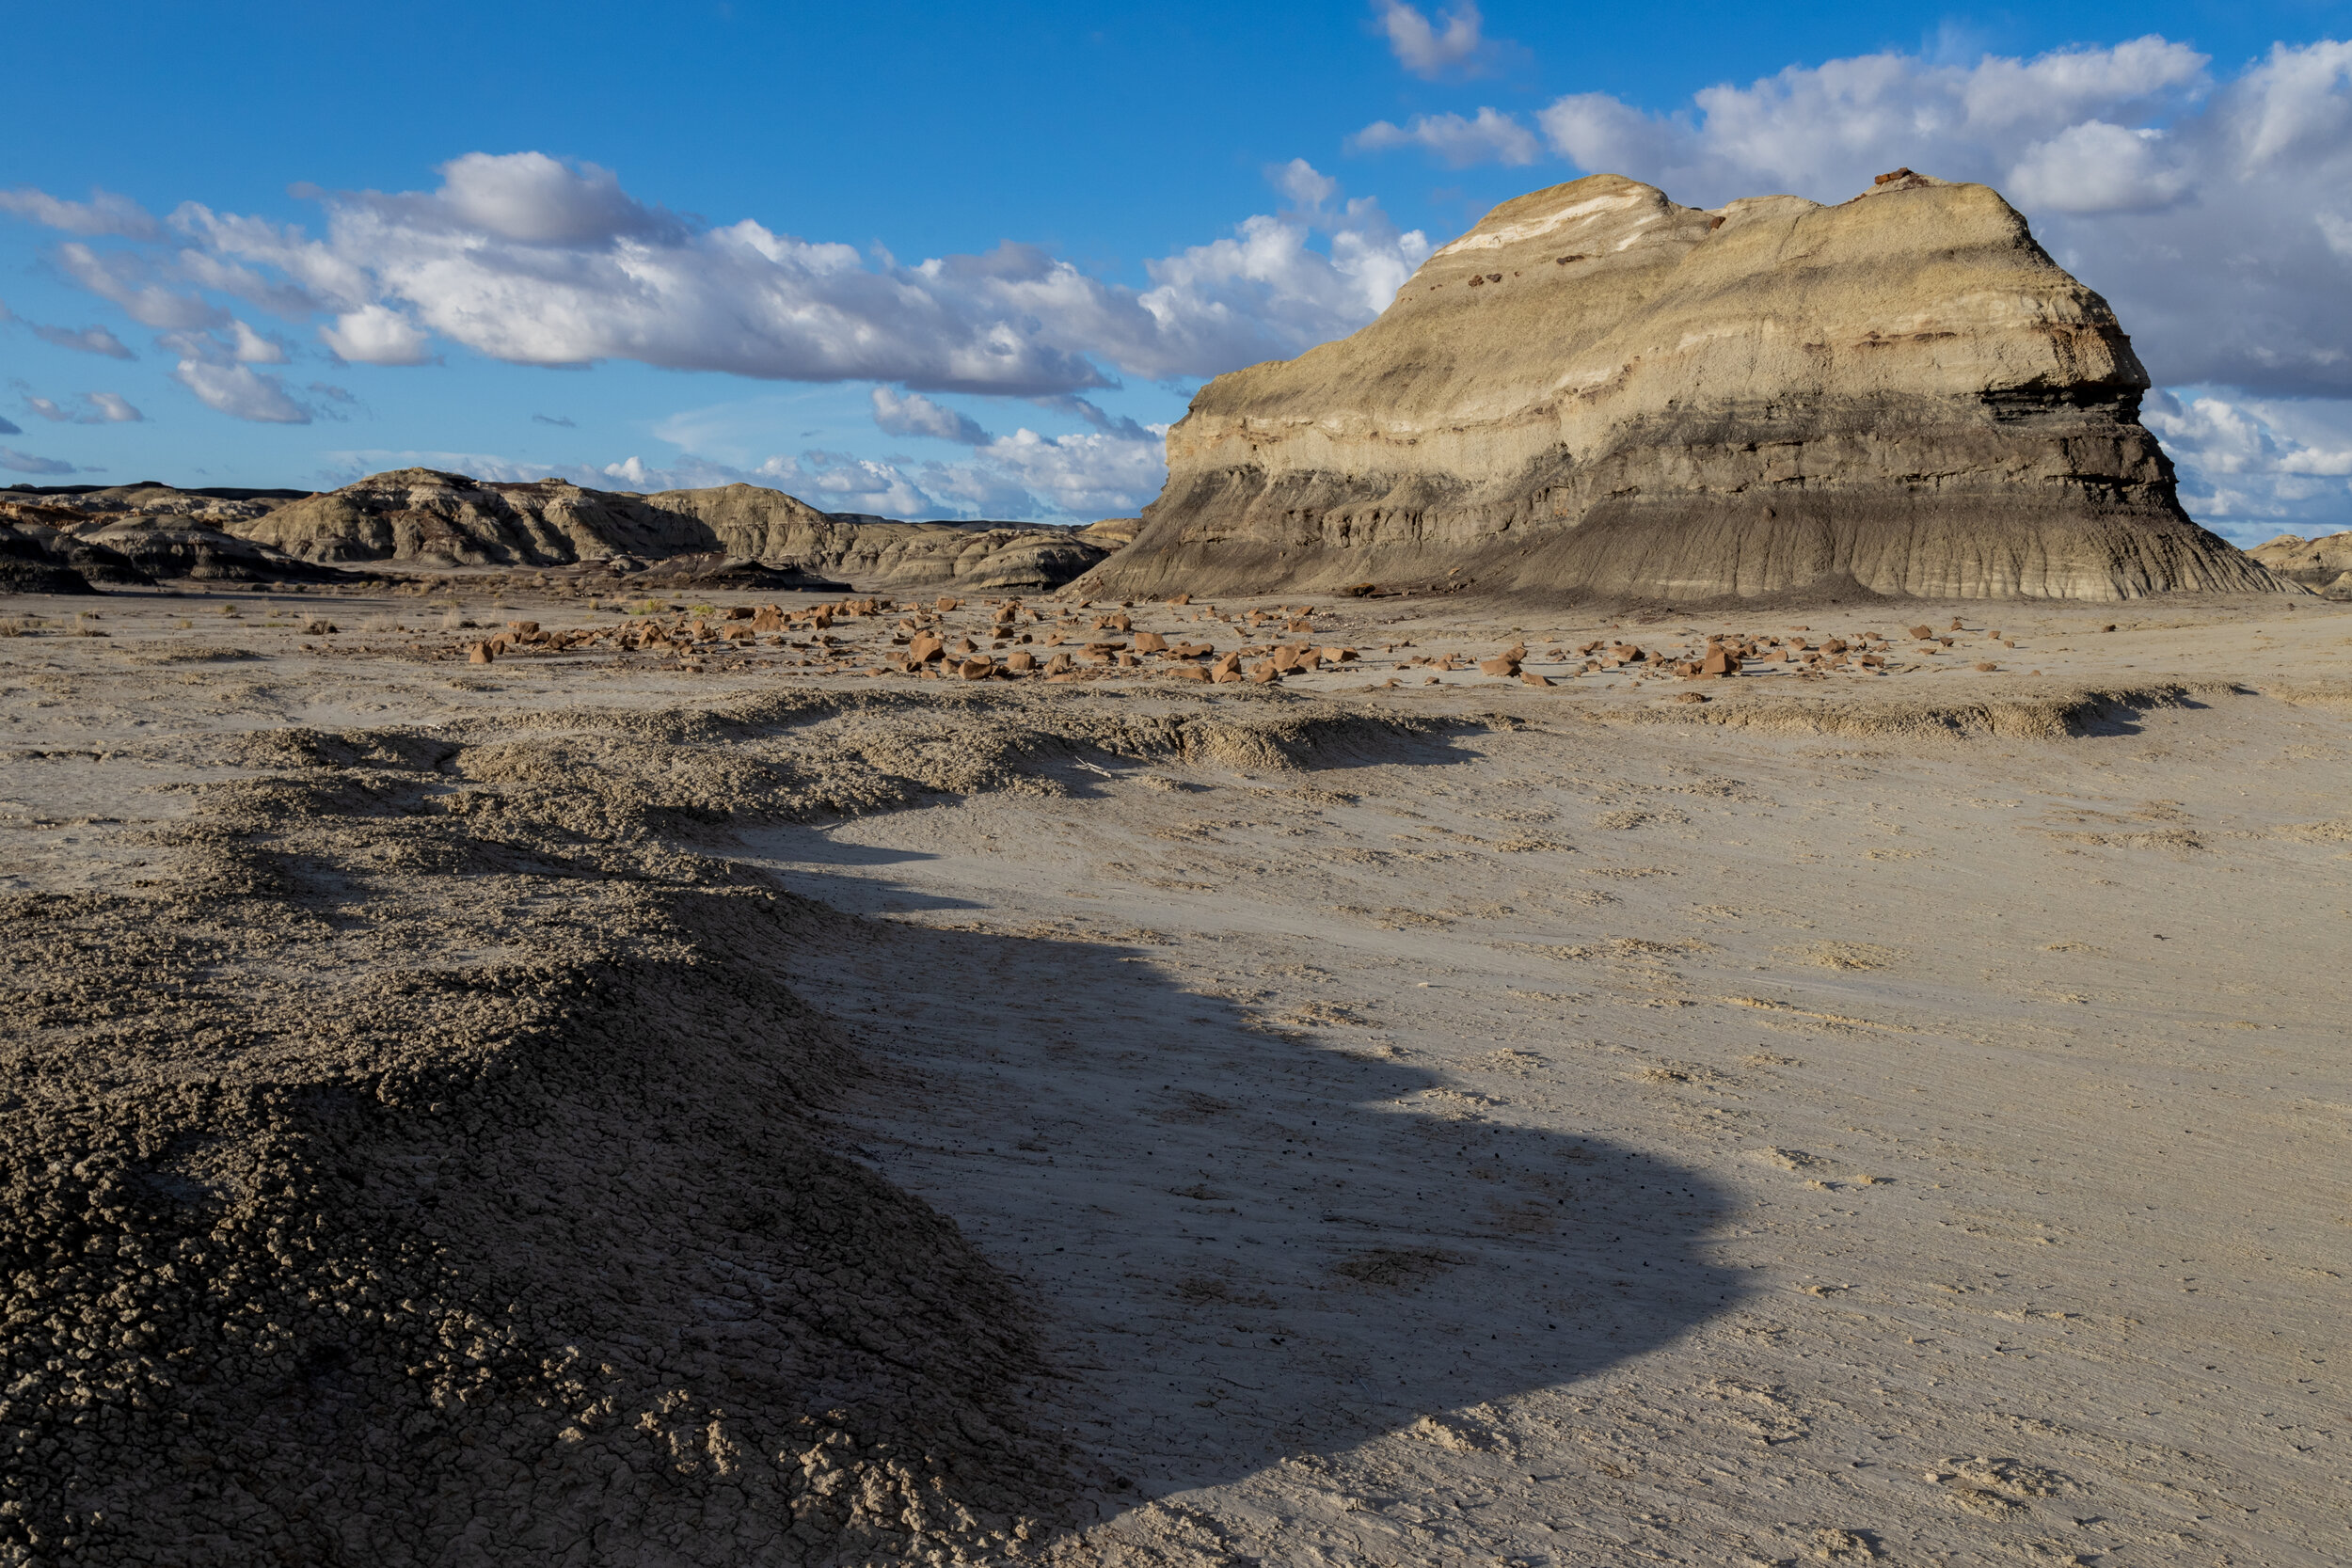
[426, 517]
[1600, 390]
[133, 535]
[875, 552]
[2324, 563]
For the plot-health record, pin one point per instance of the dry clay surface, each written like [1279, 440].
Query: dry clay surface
[589, 1109]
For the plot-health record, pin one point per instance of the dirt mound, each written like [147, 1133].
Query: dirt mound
[416, 1180]
[1599, 390]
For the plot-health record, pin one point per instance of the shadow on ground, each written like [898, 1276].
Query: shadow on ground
[1245, 1241]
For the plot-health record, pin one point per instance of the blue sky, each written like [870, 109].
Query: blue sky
[966, 260]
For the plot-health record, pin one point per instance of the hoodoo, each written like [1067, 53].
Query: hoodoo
[1599, 390]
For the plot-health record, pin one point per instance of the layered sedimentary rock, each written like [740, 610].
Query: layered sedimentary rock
[422, 515]
[2323, 563]
[1598, 389]
[135, 535]
[28, 565]
[427, 516]
[767, 525]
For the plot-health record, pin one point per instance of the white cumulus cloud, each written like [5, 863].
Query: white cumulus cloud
[1453, 43]
[916, 415]
[104, 213]
[2097, 167]
[527, 258]
[2252, 467]
[1489, 139]
[240, 391]
[124, 278]
[86, 408]
[378, 335]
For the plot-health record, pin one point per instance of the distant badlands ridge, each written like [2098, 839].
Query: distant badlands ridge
[65, 539]
[1595, 392]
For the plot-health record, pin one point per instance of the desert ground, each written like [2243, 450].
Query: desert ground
[738, 1102]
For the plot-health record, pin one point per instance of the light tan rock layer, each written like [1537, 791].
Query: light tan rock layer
[2320, 563]
[767, 525]
[1598, 389]
[424, 515]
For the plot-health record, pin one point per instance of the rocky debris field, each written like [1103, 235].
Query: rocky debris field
[801, 1098]
[1078, 641]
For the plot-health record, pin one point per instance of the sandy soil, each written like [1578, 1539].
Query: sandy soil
[1894, 1115]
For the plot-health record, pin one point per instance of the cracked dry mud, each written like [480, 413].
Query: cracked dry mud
[583, 1114]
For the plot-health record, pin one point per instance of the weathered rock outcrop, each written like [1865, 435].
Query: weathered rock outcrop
[133, 535]
[1600, 390]
[28, 565]
[424, 516]
[767, 525]
[2321, 563]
